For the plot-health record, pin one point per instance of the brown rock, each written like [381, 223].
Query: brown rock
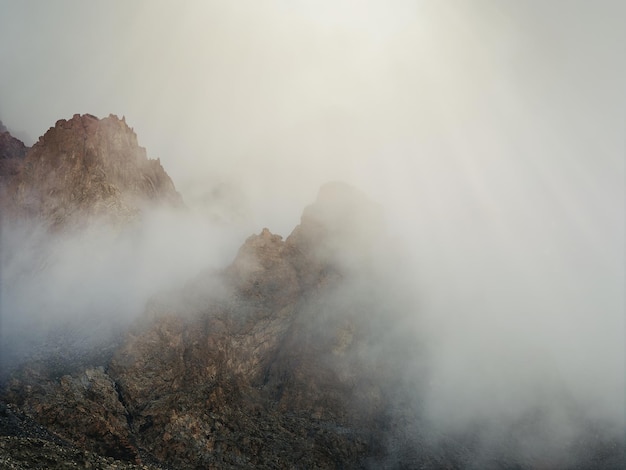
[286, 359]
[82, 408]
[263, 360]
[86, 168]
[19, 453]
[12, 153]
[258, 366]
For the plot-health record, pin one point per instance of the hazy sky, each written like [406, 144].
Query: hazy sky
[492, 131]
[492, 103]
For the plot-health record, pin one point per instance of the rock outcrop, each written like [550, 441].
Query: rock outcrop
[262, 365]
[89, 401]
[296, 355]
[12, 153]
[87, 168]
[261, 373]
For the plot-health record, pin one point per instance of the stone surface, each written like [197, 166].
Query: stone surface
[83, 408]
[294, 356]
[27, 444]
[255, 374]
[256, 366]
[25, 453]
[87, 168]
[12, 153]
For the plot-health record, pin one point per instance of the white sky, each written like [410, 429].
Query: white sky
[284, 95]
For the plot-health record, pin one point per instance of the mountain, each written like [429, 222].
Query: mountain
[84, 169]
[12, 153]
[258, 365]
[298, 354]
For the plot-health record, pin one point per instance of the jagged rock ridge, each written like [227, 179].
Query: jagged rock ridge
[85, 168]
[291, 357]
[261, 365]
[12, 153]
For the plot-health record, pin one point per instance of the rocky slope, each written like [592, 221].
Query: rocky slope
[26, 444]
[255, 366]
[84, 169]
[297, 355]
[83, 185]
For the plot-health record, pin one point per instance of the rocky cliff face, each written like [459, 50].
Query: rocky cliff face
[256, 366]
[12, 153]
[294, 356]
[86, 168]
[260, 373]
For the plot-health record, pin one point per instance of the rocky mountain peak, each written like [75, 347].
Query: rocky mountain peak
[12, 153]
[87, 167]
[338, 232]
[342, 209]
[300, 354]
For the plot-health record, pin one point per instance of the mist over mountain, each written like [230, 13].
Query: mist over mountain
[91, 228]
[132, 328]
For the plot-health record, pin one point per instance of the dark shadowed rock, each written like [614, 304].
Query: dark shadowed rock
[257, 366]
[25, 453]
[82, 408]
[12, 153]
[257, 375]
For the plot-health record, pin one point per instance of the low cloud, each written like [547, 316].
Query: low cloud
[490, 135]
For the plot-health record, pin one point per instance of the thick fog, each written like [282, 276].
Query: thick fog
[491, 134]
